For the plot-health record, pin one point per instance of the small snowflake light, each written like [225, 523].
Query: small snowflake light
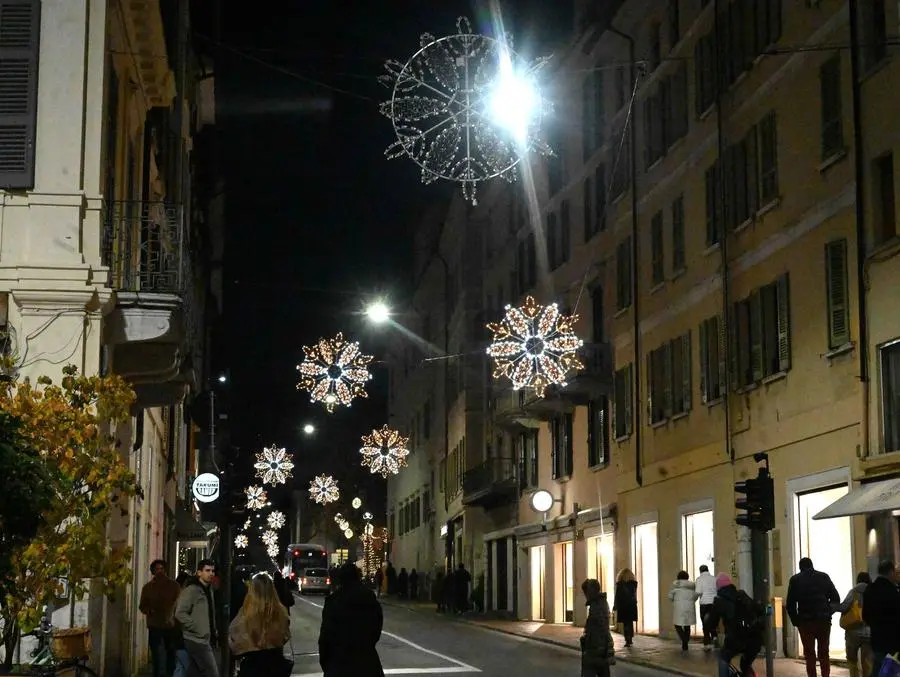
[338, 518]
[334, 372]
[241, 541]
[274, 465]
[272, 551]
[276, 519]
[343, 525]
[247, 524]
[356, 503]
[256, 497]
[535, 346]
[384, 451]
[270, 538]
[368, 516]
[348, 533]
[323, 489]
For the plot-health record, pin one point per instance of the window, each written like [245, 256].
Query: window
[597, 328]
[676, 125]
[712, 359]
[681, 374]
[669, 379]
[654, 136]
[678, 253]
[599, 108]
[623, 393]
[705, 73]
[762, 334]
[600, 198]
[598, 432]
[768, 159]
[522, 459]
[713, 205]
[837, 286]
[658, 271]
[565, 232]
[890, 396]
[874, 32]
[672, 19]
[832, 120]
[655, 46]
[623, 274]
[587, 208]
[748, 28]
[551, 237]
[531, 454]
[885, 200]
[19, 52]
[561, 446]
[588, 117]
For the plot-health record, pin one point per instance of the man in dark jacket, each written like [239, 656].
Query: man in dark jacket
[811, 601]
[741, 618]
[351, 627]
[597, 648]
[881, 612]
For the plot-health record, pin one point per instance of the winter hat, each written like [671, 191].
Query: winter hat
[722, 580]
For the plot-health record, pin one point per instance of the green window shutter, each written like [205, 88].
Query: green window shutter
[19, 51]
[629, 399]
[784, 323]
[704, 363]
[757, 359]
[722, 353]
[686, 372]
[837, 289]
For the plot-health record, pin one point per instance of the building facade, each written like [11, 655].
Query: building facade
[106, 251]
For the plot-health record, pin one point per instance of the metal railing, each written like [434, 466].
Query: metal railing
[493, 471]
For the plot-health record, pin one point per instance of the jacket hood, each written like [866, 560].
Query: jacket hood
[688, 585]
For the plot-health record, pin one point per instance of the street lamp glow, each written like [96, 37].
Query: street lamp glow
[222, 378]
[514, 101]
[378, 312]
[309, 429]
[541, 500]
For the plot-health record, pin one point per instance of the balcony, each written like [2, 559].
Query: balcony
[149, 329]
[491, 484]
[595, 380]
[508, 409]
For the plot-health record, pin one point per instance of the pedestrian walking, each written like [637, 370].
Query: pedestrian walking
[391, 579]
[625, 604]
[413, 584]
[857, 636]
[260, 630]
[196, 613]
[811, 601]
[158, 598]
[351, 627]
[379, 580]
[683, 595]
[705, 585]
[597, 647]
[461, 580]
[403, 583]
[744, 622]
[881, 612]
[448, 591]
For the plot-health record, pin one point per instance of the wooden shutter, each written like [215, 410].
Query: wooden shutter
[704, 363]
[569, 448]
[629, 391]
[685, 372]
[752, 173]
[651, 383]
[784, 323]
[757, 358]
[19, 51]
[668, 359]
[554, 448]
[722, 354]
[836, 282]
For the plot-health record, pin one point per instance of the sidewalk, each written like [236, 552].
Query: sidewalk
[649, 651]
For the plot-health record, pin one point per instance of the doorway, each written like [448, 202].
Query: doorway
[502, 575]
[828, 543]
[567, 581]
[645, 560]
[697, 545]
[601, 563]
[536, 559]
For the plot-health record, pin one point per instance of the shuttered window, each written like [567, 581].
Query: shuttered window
[669, 379]
[830, 107]
[712, 359]
[19, 48]
[598, 432]
[838, 293]
[761, 334]
[623, 392]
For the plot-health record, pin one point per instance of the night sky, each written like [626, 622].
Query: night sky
[318, 222]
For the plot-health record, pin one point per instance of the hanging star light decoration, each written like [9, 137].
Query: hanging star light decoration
[535, 346]
[256, 497]
[384, 451]
[272, 551]
[323, 489]
[270, 538]
[241, 541]
[334, 372]
[276, 519]
[465, 108]
[274, 465]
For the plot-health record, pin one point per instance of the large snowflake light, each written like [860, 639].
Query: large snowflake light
[334, 372]
[274, 465]
[535, 346]
[384, 451]
[323, 489]
[256, 497]
[270, 538]
[241, 541]
[276, 519]
[465, 108]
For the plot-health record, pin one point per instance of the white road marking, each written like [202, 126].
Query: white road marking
[400, 671]
[461, 667]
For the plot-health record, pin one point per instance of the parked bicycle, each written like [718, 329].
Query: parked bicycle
[46, 663]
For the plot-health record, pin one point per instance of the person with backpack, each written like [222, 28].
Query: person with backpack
[857, 634]
[744, 622]
[811, 601]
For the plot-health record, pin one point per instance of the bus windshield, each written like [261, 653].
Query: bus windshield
[306, 557]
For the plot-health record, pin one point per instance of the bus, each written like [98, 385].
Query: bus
[301, 556]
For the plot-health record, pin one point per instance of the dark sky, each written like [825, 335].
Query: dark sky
[317, 220]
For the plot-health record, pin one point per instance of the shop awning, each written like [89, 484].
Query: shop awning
[189, 532]
[883, 496]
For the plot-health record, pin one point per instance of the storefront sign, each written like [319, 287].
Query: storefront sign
[206, 487]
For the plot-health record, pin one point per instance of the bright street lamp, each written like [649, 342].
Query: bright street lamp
[222, 378]
[309, 429]
[514, 103]
[378, 312]
[542, 500]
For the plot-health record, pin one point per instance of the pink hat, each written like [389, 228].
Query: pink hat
[722, 580]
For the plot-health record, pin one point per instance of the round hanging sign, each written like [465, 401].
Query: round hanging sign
[206, 487]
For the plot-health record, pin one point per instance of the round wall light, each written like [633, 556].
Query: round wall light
[541, 500]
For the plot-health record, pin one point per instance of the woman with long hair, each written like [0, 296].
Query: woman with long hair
[260, 630]
[625, 603]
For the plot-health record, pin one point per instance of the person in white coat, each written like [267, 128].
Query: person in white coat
[683, 595]
[705, 586]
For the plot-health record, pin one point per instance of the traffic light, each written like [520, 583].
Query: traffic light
[758, 504]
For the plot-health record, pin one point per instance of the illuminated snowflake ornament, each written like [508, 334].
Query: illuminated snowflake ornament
[274, 465]
[272, 551]
[276, 519]
[334, 372]
[384, 451]
[535, 346]
[465, 108]
[356, 503]
[256, 497]
[323, 489]
[241, 541]
[269, 538]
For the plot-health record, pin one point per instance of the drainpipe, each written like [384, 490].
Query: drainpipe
[635, 258]
[859, 172]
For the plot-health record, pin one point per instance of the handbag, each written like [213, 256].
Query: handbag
[890, 666]
[852, 617]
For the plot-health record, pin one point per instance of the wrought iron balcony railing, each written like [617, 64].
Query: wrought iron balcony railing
[491, 474]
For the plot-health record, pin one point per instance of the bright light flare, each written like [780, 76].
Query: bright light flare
[378, 312]
[514, 102]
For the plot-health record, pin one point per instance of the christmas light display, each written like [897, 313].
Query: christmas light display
[356, 503]
[323, 489]
[534, 346]
[276, 519]
[256, 497]
[368, 516]
[247, 524]
[241, 541]
[334, 372]
[274, 465]
[348, 533]
[464, 108]
[272, 551]
[270, 538]
[384, 451]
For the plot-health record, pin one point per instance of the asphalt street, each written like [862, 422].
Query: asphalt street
[419, 643]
